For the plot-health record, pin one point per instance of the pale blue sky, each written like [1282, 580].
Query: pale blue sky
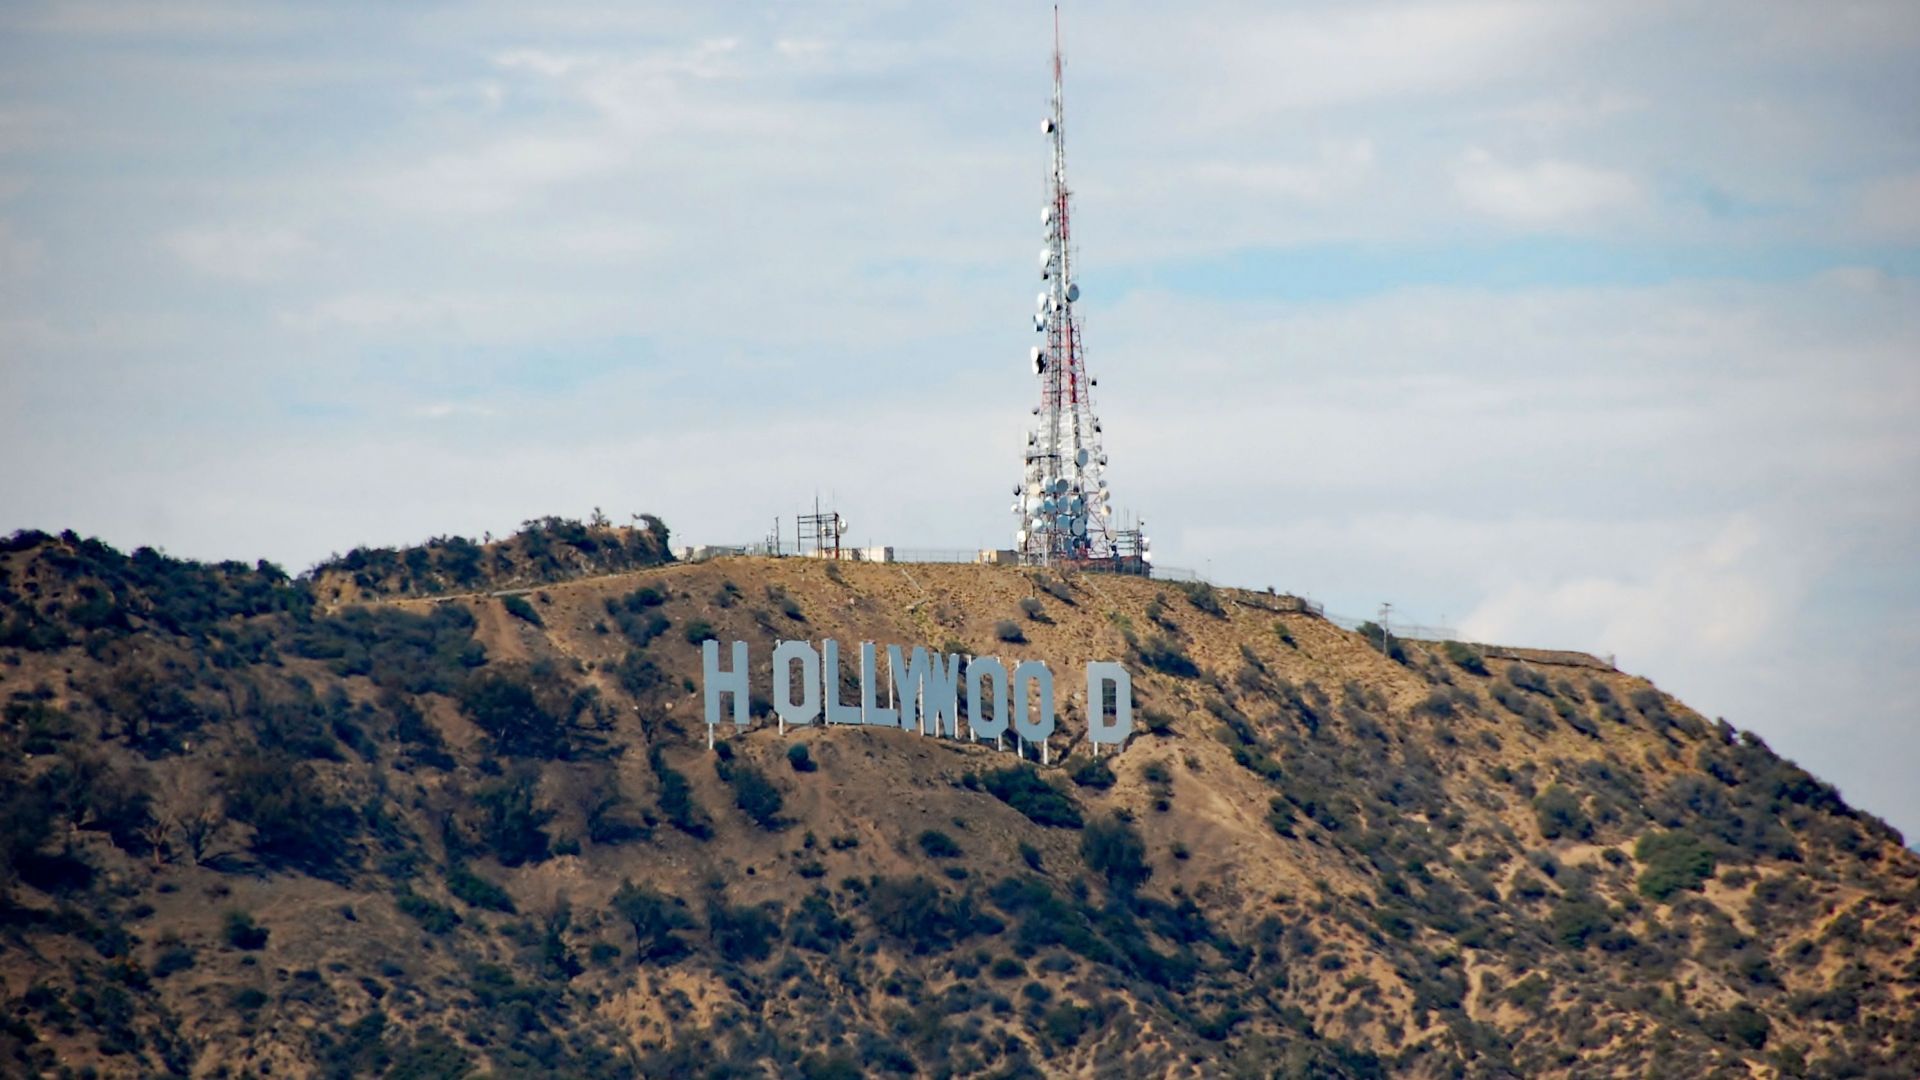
[1586, 325]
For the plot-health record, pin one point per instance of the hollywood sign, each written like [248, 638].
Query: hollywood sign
[922, 693]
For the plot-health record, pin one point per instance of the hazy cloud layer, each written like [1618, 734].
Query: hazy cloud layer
[1570, 324]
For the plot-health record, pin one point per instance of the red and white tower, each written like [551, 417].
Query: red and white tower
[1062, 501]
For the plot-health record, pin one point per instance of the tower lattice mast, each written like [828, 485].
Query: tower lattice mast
[1062, 501]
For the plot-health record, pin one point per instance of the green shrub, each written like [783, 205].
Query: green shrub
[1528, 679]
[174, 956]
[1671, 862]
[742, 934]
[1065, 1023]
[1163, 654]
[938, 845]
[916, 913]
[836, 1066]
[1022, 788]
[1113, 849]
[1465, 656]
[514, 707]
[1576, 921]
[800, 759]
[656, 920]
[1560, 814]
[755, 795]
[697, 631]
[473, 889]
[1009, 631]
[1742, 1025]
[1093, 773]
[512, 827]
[1202, 596]
[676, 798]
[436, 919]
[293, 824]
[518, 607]
[1280, 815]
[242, 933]
[1031, 607]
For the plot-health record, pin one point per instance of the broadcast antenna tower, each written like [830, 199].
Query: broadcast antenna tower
[1062, 502]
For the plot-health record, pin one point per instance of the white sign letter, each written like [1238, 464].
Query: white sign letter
[871, 711]
[978, 672]
[1035, 673]
[908, 678]
[724, 682]
[1100, 675]
[940, 696]
[807, 709]
[838, 712]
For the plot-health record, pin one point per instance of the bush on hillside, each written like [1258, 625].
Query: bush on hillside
[1203, 597]
[1022, 788]
[396, 649]
[1009, 631]
[656, 921]
[1560, 815]
[676, 798]
[512, 827]
[1163, 654]
[1671, 862]
[470, 888]
[514, 707]
[743, 934]
[519, 608]
[1092, 772]
[753, 793]
[294, 824]
[243, 933]
[1465, 656]
[938, 845]
[914, 912]
[1113, 848]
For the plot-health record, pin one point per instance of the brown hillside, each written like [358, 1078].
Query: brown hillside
[484, 835]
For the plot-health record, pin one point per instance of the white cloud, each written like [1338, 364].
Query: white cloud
[1699, 606]
[1889, 208]
[19, 255]
[239, 252]
[497, 176]
[1541, 193]
[1339, 167]
[442, 410]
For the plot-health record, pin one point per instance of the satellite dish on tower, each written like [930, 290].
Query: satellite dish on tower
[1080, 457]
[1073, 291]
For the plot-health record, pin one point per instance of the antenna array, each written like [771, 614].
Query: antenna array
[1064, 507]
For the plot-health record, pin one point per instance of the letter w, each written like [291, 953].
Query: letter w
[929, 686]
